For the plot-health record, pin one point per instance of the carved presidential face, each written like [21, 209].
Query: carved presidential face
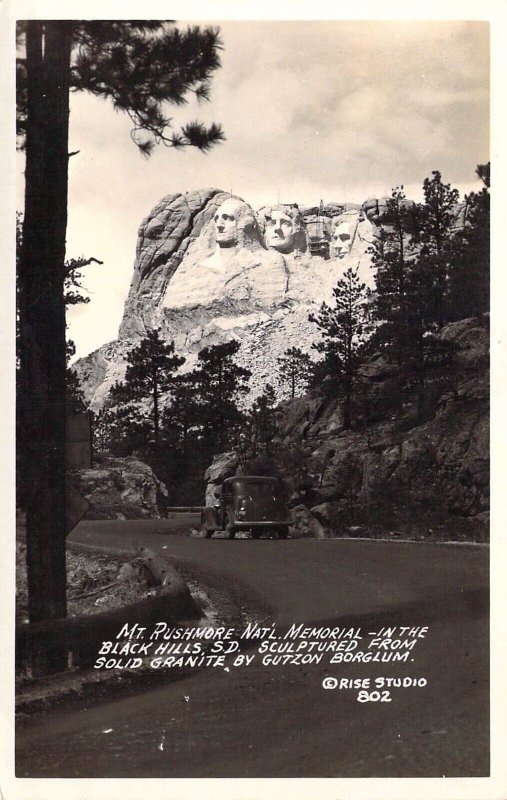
[342, 239]
[226, 222]
[279, 230]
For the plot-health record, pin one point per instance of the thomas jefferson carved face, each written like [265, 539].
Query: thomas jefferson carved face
[342, 240]
[279, 231]
[226, 222]
[282, 227]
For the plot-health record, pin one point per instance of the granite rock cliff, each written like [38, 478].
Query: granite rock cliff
[429, 478]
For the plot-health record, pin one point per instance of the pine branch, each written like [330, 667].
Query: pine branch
[142, 66]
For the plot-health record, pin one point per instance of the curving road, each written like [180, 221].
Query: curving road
[265, 721]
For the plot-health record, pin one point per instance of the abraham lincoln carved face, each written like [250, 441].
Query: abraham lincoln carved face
[342, 239]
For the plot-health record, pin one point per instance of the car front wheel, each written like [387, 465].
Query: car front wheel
[283, 531]
[230, 529]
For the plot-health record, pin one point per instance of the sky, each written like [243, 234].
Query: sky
[336, 110]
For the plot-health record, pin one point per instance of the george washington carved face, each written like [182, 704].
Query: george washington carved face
[235, 225]
[226, 222]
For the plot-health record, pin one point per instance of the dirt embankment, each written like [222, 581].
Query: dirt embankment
[95, 583]
[112, 584]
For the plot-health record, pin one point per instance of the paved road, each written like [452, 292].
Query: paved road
[263, 721]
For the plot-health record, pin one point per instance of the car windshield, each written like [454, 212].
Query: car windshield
[260, 490]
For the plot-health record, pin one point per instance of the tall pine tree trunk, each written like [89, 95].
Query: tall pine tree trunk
[156, 423]
[347, 403]
[421, 385]
[42, 315]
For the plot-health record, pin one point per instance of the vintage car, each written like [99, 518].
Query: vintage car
[248, 502]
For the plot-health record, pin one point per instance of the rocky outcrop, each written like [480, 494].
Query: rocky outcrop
[120, 488]
[378, 212]
[224, 466]
[99, 371]
[305, 524]
[392, 475]
[162, 241]
[419, 477]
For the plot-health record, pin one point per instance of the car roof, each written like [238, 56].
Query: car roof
[260, 478]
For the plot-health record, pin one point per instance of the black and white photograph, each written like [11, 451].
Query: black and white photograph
[250, 353]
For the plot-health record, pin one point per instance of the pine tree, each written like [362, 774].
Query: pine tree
[74, 295]
[203, 417]
[72, 285]
[220, 384]
[76, 403]
[100, 432]
[389, 259]
[345, 330]
[427, 286]
[413, 287]
[262, 421]
[150, 374]
[185, 462]
[140, 66]
[470, 264]
[183, 412]
[425, 351]
[434, 239]
[391, 301]
[295, 370]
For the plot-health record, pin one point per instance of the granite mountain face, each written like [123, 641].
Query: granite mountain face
[209, 269]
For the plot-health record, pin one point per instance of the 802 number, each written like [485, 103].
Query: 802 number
[374, 697]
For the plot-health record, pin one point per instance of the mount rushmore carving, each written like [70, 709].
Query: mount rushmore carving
[209, 268]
